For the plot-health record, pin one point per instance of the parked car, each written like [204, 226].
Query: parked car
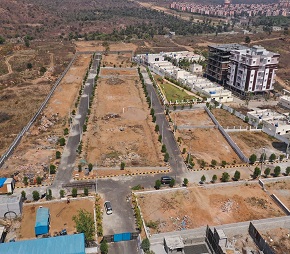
[166, 179]
[108, 207]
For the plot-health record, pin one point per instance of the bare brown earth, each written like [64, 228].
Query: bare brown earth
[61, 215]
[226, 119]
[192, 118]
[97, 46]
[278, 239]
[281, 189]
[253, 143]
[120, 127]
[198, 207]
[38, 146]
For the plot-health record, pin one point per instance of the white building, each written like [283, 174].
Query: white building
[252, 70]
[285, 99]
[195, 68]
[10, 206]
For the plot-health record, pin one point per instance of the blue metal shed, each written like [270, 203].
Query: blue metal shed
[42, 221]
[67, 244]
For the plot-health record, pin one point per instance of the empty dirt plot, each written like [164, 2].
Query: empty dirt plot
[278, 239]
[253, 142]
[37, 148]
[191, 118]
[61, 215]
[226, 119]
[120, 128]
[120, 59]
[196, 207]
[281, 189]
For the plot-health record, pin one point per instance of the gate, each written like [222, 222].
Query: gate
[122, 237]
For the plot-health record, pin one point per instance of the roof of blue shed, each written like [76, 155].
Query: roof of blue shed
[42, 216]
[2, 181]
[68, 244]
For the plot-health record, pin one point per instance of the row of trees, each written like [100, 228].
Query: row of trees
[253, 158]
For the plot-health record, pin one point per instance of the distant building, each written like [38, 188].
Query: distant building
[195, 68]
[10, 206]
[218, 61]
[252, 70]
[285, 99]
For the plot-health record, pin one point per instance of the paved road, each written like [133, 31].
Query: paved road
[176, 162]
[66, 167]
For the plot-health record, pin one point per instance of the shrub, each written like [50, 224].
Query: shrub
[224, 163]
[61, 193]
[122, 165]
[213, 163]
[49, 195]
[104, 247]
[25, 180]
[203, 178]
[166, 157]
[185, 181]
[38, 180]
[287, 171]
[52, 169]
[172, 182]
[35, 195]
[272, 157]
[61, 141]
[23, 195]
[74, 192]
[86, 191]
[159, 138]
[267, 172]
[90, 166]
[277, 171]
[65, 131]
[154, 119]
[156, 127]
[225, 177]
[163, 149]
[80, 168]
[145, 245]
[257, 172]
[157, 184]
[237, 175]
[214, 178]
[57, 155]
[253, 158]
[184, 150]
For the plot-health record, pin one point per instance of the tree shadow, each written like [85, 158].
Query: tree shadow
[281, 146]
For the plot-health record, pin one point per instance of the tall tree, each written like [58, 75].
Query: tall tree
[85, 224]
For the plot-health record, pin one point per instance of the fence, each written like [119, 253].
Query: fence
[27, 127]
[233, 111]
[280, 204]
[212, 242]
[227, 137]
[259, 241]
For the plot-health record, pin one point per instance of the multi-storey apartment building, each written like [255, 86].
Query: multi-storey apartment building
[218, 61]
[252, 70]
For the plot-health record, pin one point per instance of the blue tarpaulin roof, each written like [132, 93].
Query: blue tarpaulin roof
[2, 181]
[42, 216]
[68, 244]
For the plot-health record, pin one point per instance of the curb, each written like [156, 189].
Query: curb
[129, 174]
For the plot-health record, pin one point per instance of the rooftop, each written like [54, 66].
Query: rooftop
[68, 244]
[2, 181]
[228, 47]
[9, 199]
[42, 216]
[174, 242]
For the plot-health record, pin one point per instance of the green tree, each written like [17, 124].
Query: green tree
[152, 111]
[49, 195]
[145, 245]
[29, 66]
[122, 165]
[257, 172]
[224, 163]
[287, 171]
[61, 193]
[42, 70]
[203, 178]
[237, 175]
[247, 40]
[2, 40]
[166, 157]
[57, 154]
[86, 191]
[281, 157]
[272, 157]
[185, 181]
[184, 150]
[214, 178]
[74, 192]
[90, 166]
[267, 172]
[85, 224]
[61, 141]
[104, 247]
[277, 171]
[157, 184]
[172, 182]
[65, 131]
[38, 180]
[23, 195]
[263, 157]
[156, 127]
[52, 169]
[163, 149]
[253, 158]
[35, 195]
[159, 138]
[25, 180]
[154, 119]
[213, 163]
[225, 177]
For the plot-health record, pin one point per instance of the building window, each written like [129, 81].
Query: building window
[156, 59]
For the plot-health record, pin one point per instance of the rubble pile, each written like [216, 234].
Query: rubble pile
[46, 122]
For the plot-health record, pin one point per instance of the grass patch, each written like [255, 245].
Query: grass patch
[113, 155]
[173, 93]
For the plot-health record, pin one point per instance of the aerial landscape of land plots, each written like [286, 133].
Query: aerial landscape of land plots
[198, 134]
[37, 148]
[120, 128]
[200, 206]
[61, 216]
